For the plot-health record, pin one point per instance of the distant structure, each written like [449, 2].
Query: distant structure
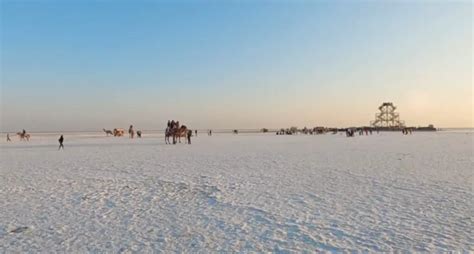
[387, 117]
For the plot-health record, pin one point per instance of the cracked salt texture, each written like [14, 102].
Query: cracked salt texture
[254, 192]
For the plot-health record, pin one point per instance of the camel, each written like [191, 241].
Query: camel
[108, 132]
[23, 136]
[118, 132]
[180, 132]
[176, 133]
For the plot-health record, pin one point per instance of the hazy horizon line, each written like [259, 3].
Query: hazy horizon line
[216, 129]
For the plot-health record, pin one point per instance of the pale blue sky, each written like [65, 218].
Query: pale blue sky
[85, 65]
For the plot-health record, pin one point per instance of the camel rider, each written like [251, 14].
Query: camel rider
[172, 124]
[177, 125]
[169, 124]
[24, 132]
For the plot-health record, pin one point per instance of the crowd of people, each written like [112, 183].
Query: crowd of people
[351, 131]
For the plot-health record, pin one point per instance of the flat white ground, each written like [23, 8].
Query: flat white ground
[252, 192]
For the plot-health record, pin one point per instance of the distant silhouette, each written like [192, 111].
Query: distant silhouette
[190, 133]
[118, 132]
[196, 132]
[61, 140]
[108, 132]
[23, 136]
[8, 138]
[139, 134]
[168, 134]
[349, 132]
[131, 132]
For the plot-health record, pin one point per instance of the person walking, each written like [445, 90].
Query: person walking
[61, 140]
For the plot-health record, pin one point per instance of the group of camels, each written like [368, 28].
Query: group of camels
[119, 132]
[175, 131]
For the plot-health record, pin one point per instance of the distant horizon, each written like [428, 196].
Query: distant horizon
[215, 129]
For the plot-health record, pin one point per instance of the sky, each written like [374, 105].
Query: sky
[88, 65]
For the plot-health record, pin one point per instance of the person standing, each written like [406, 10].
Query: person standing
[8, 137]
[189, 134]
[61, 140]
[196, 132]
[131, 132]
